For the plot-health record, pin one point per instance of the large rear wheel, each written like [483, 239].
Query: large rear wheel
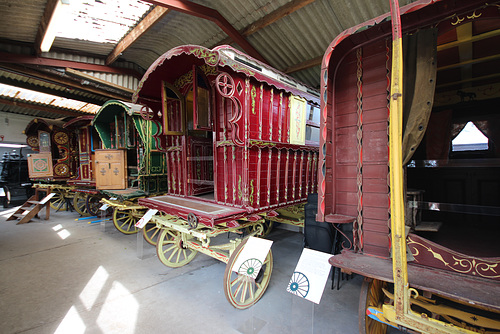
[371, 296]
[80, 203]
[241, 290]
[58, 201]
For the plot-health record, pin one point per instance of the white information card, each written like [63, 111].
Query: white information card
[146, 218]
[252, 257]
[309, 279]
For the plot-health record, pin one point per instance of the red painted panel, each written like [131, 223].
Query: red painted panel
[375, 186]
[374, 116]
[347, 185]
[348, 210]
[375, 200]
[381, 214]
[346, 198]
[346, 171]
[376, 238]
[375, 250]
[374, 225]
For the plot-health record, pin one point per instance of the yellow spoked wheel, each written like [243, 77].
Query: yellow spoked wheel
[124, 220]
[371, 296]
[171, 251]
[151, 233]
[80, 203]
[58, 201]
[243, 291]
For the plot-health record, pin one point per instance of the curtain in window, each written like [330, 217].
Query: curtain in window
[419, 71]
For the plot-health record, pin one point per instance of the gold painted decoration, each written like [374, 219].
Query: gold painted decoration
[253, 94]
[431, 254]
[210, 57]
[184, 80]
[297, 121]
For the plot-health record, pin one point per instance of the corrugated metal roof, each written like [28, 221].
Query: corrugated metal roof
[47, 100]
[301, 36]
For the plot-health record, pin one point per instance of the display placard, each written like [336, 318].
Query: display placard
[310, 275]
[252, 257]
[146, 218]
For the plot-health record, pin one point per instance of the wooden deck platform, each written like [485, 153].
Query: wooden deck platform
[472, 290]
[202, 208]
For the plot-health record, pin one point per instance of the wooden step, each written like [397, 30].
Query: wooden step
[33, 202]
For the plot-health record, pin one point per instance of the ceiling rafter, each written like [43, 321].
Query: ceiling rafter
[40, 107]
[142, 27]
[50, 8]
[213, 15]
[61, 79]
[31, 60]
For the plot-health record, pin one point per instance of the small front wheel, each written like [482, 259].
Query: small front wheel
[171, 251]
[125, 220]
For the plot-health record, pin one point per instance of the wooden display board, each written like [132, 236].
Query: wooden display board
[111, 169]
[40, 165]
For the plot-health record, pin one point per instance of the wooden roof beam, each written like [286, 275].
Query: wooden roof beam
[49, 11]
[31, 60]
[58, 111]
[140, 29]
[64, 81]
[211, 14]
[303, 66]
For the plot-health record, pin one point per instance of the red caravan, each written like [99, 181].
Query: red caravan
[240, 137]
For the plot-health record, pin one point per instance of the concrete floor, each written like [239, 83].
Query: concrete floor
[67, 276]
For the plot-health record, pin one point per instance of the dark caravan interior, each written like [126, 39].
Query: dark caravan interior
[454, 187]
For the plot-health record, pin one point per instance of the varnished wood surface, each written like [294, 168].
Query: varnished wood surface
[472, 290]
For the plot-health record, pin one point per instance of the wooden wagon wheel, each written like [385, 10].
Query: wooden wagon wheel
[125, 220]
[171, 251]
[151, 233]
[80, 203]
[58, 201]
[371, 295]
[241, 290]
[94, 204]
